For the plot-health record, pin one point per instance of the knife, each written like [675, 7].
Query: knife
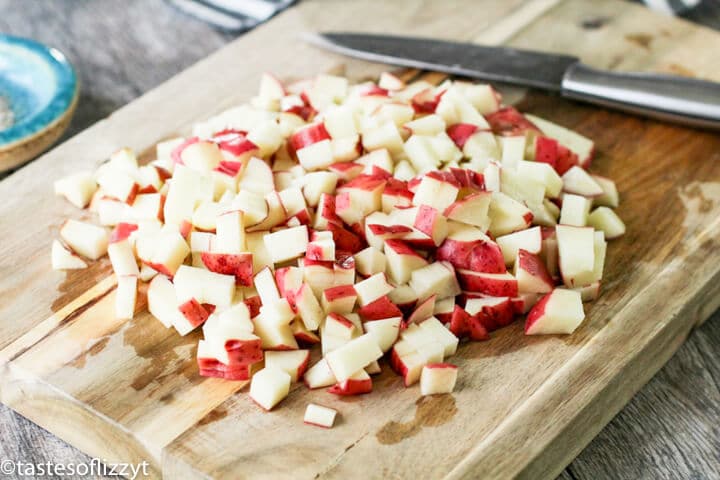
[667, 97]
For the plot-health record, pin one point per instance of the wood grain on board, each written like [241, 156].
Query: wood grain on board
[129, 391]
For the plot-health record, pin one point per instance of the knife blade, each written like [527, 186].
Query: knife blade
[679, 99]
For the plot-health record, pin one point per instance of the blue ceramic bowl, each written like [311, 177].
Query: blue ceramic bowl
[39, 84]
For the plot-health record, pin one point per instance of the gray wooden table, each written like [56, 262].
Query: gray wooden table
[121, 49]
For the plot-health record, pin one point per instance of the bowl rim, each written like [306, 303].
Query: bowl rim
[60, 102]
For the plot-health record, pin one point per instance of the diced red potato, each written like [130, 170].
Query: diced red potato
[295, 362]
[269, 387]
[319, 416]
[379, 309]
[64, 259]
[438, 378]
[339, 299]
[369, 219]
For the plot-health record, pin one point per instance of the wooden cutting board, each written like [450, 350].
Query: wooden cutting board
[129, 391]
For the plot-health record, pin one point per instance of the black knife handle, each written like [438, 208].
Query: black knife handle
[667, 97]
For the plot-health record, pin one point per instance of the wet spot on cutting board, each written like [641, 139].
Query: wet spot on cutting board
[162, 361]
[77, 282]
[79, 361]
[168, 398]
[642, 40]
[594, 23]
[213, 416]
[700, 197]
[431, 411]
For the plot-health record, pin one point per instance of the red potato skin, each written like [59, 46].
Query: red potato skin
[374, 90]
[302, 217]
[459, 322]
[340, 292]
[426, 101]
[346, 171]
[547, 232]
[281, 348]
[446, 177]
[476, 329]
[401, 248]
[253, 303]
[413, 184]
[147, 189]
[326, 209]
[469, 180]
[194, 312]
[565, 160]
[240, 265]
[380, 309]
[302, 368]
[244, 352]
[509, 122]
[537, 312]
[342, 202]
[176, 154]
[185, 229]
[160, 268]
[357, 229]
[303, 335]
[533, 265]
[209, 367]
[283, 289]
[460, 132]
[131, 194]
[423, 242]
[229, 168]
[306, 338]
[342, 320]
[396, 363]
[426, 219]
[397, 187]
[407, 308]
[391, 230]
[441, 365]
[478, 256]
[352, 387]
[587, 161]
[307, 136]
[522, 305]
[457, 252]
[380, 173]
[234, 142]
[518, 304]
[444, 317]
[528, 217]
[306, 112]
[366, 183]
[345, 239]
[496, 316]
[309, 262]
[122, 231]
[163, 173]
[423, 311]
[546, 150]
[474, 282]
